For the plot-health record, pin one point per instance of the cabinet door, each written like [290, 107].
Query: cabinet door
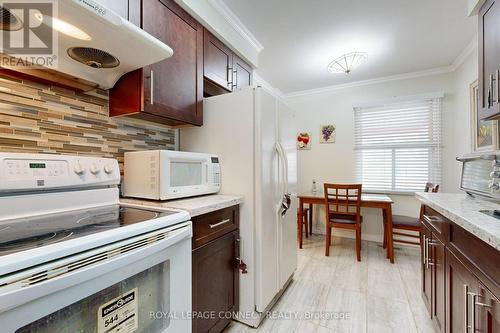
[437, 255]
[461, 284]
[217, 61]
[215, 282]
[487, 309]
[242, 74]
[426, 269]
[489, 59]
[120, 7]
[173, 88]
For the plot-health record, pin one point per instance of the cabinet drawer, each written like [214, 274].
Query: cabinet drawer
[436, 222]
[481, 258]
[210, 226]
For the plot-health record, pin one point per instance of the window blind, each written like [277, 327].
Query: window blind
[398, 145]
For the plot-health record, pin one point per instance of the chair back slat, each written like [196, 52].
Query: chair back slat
[430, 187]
[343, 199]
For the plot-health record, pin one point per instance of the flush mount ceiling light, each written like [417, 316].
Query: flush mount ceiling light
[347, 62]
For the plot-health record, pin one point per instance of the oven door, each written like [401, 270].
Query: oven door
[142, 284]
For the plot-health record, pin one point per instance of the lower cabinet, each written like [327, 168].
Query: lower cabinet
[215, 269]
[434, 271]
[461, 284]
[460, 277]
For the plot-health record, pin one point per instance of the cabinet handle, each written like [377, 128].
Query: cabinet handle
[151, 87]
[431, 219]
[466, 308]
[490, 92]
[240, 264]
[425, 251]
[219, 223]
[229, 76]
[427, 261]
[498, 85]
[484, 305]
[473, 313]
[235, 79]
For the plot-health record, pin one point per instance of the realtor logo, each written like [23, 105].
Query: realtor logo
[27, 36]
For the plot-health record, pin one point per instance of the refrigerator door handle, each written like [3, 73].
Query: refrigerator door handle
[282, 169]
[285, 167]
[285, 196]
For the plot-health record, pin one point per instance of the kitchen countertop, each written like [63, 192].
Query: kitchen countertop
[194, 206]
[464, 211]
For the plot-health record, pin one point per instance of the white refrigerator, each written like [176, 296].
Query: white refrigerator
[253, 133]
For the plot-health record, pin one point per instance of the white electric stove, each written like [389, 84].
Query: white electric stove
[73, 259]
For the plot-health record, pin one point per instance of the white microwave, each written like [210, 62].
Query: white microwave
[167, 174]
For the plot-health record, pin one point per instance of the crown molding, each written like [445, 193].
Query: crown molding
[466, 52]
[260, 81]
[397, 77]
[235, 23]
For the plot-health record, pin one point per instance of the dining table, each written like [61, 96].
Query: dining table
[368, 200]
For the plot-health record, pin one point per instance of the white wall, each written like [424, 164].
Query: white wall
[336, 162]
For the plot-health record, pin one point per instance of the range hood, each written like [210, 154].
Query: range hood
[99, 46]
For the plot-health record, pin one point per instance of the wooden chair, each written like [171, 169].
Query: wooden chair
[408, 223]
[343, 210]
[304, 224]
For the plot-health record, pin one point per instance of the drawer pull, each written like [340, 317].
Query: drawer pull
[432, 219]
[219, 223]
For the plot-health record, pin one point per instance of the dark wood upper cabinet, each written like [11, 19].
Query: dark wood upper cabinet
[217, 61]
[242, 74]
[169, 91]
[224, 71]
[489, 60]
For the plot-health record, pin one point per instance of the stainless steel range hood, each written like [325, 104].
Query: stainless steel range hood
[94, 43]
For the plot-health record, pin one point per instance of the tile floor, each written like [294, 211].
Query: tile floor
[375, 295]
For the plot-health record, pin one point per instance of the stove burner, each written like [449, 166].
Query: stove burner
[29, 233]
[28, 243]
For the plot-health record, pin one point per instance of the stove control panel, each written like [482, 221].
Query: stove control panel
[24, 172]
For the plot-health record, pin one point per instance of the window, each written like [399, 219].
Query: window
[398, 144]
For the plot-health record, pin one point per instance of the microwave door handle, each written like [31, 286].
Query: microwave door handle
[206, 173]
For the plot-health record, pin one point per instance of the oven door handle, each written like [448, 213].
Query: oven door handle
[16, 294]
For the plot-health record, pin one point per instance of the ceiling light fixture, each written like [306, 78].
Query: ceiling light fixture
[347, 62]
[63, 27]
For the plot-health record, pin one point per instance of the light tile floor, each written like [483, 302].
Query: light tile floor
[376, 295]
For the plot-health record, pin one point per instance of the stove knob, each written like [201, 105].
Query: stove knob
[79, 169]
[495, 174]
[108, 169]
[494, 186]
[94, 169]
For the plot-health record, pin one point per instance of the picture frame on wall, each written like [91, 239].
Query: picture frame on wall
[304, 141]
[484, 132]
[327, 133]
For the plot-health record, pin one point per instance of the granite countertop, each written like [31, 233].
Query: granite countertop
[194, 206]
[464, 211]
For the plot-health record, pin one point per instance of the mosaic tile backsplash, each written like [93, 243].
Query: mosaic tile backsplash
[37, 118]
